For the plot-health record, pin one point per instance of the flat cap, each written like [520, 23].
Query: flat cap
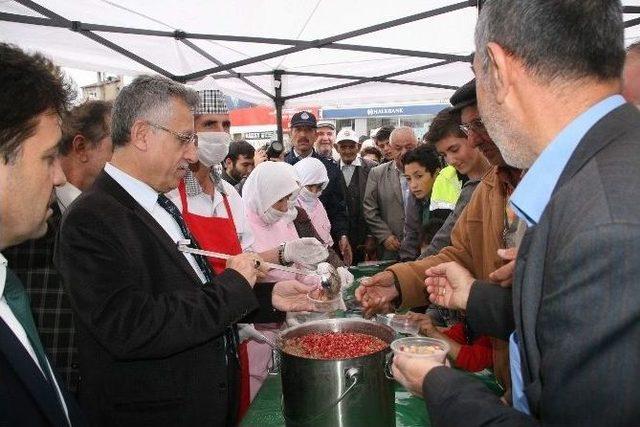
[464, 96]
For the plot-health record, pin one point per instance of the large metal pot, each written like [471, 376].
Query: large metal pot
[344, 392]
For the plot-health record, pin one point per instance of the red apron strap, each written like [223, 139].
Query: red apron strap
[183, 196]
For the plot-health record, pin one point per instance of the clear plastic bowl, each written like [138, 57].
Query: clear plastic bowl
[421, 347]
[323, 305]
[404, 325]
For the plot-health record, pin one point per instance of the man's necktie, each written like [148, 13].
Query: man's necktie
[230, 334]
[18, 302]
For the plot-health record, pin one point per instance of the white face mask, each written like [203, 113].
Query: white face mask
[308, 199]
[271, 216]
[213, 147]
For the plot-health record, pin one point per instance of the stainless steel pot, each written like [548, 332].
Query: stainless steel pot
[344, 392]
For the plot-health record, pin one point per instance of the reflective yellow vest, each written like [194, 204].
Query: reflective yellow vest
[446, 189]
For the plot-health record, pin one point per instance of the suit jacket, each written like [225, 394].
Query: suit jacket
[354, 199]
[150, 334]
[332, 197]
[574, 296]
[26, 397]
[32, 262]
[383, 204]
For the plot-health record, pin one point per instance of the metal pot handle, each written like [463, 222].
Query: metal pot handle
[351, 374]
[388, 373]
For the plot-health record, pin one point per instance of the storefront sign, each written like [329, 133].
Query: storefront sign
[382, 111]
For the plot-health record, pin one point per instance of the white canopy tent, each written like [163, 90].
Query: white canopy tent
[293, 52]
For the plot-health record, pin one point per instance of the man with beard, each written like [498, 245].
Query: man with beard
[553, 105]
[325, 139]
[303, 134]
[478, 239]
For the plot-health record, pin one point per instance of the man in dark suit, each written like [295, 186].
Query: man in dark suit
[85, 147]
[33, 95]
[552, 105]
[303, 134]
[156, 330]
[355, 171]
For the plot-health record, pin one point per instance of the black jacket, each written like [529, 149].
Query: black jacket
[150, 334]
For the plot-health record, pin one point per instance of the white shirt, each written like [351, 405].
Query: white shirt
[16, 327]
[147, 197]
[66, 194]
[204, 205]
[348, 170]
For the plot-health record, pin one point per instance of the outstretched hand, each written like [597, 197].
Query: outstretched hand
[291, 295]
[376, 293]
[449, 285]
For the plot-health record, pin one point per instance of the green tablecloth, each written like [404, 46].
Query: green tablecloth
[266, 408]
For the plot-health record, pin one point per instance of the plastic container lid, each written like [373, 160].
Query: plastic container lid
[421, 347]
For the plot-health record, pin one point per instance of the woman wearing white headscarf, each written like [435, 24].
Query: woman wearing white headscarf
[313, 180]
[269, 196]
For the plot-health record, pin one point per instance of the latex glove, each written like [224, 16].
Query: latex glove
[307, 251]
[346, 278]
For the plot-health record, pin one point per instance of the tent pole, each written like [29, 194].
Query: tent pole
[277, 83]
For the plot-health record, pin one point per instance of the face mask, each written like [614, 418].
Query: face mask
[213, 147]
[271, 216]
[308, 199]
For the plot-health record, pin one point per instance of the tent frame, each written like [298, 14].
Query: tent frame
[51, 19]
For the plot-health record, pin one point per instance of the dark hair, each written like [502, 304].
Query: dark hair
[445, 124]
[91, 119]
[425, 155]
[384, 133]
[372, 150]
[30, 85]
[556, 39]
[240, 148]
[147, 97]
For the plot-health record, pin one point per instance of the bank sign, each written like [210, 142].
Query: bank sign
[382, 111]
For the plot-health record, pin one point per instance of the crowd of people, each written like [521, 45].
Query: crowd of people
[506, 227]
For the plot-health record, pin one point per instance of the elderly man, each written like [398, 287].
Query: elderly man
[303, 133]
[85, 147]
[156, 326]
[33, 96]
[325, 139]
[583, 226]
[355, 171]
[631, 75]
[385, 194]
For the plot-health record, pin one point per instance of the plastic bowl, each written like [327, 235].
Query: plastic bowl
[404, 325]
[421, 347]
[323, 305]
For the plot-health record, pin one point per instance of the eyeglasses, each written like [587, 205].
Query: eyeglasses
[184, 138]
[475, 125]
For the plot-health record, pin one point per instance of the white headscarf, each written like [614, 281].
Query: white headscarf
[268, 183]
[310, 171]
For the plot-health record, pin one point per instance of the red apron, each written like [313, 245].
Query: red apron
[219, 235]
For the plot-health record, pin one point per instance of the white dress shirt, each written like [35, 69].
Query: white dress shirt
[348, 170]
[66, 194]
[147, 197]
[16, 327]
[204, 205]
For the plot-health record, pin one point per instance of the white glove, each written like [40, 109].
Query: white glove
[346, 278]
[306, 251]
